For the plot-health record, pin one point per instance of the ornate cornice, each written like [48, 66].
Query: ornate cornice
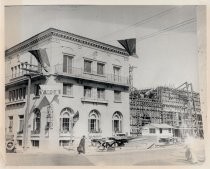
[64, 35]
[28, 43]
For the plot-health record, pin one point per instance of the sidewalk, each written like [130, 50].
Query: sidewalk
[119, 150]
[169, 155]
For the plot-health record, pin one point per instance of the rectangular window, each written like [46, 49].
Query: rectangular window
[36, 89]
[117, 95]
[67, 63]
[22, 66]
[17, 95]
[101, 94]
[35, 143]
[26, 67]
[65, 125]
[20, 142]
[24, 93]
[92, 125]
[12, 70]
[19, 70]
[10, 123]
[64, 143]
[116, 126]
[87, 66]
[169, 130]
[20, 93]
[161, 130]
[116, 73]
[10, 96]
[15, 73]
[87, 92]
[21, 123]
[37, 125]
[152, 130]
[100, 68]
[67, 89]
[13, 95]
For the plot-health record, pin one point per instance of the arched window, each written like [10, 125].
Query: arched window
[117, 122]
[94, 122]
[37, 120]
[66, 119]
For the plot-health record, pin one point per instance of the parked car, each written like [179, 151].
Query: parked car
[10, 144]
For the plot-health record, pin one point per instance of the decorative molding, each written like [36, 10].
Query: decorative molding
[28, 43]
[95, 53]
[52, 32]
[79, 46]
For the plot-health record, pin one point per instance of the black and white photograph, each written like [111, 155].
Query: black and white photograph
[105, 85]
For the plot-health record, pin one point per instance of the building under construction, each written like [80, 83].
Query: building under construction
[178, 107]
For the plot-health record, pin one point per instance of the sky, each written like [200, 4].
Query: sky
[166, 35]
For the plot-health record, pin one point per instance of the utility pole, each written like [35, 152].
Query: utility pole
[25, 129]
[28, 75]
[131, 76]
[194, 116]
[190, 106]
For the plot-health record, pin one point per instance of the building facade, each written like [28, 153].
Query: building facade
[82, 90]
[164, 105]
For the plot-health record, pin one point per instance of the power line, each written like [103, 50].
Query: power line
[176, 26]
[141, 22]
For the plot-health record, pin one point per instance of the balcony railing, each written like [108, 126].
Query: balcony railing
[80, 73]
[21, 70]
[35, 132]
[95, 134]
[94, 100]
[16, 101]
[20, 133]
[64, 133]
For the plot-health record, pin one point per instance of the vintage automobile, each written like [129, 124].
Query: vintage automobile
[10, 143]
[109, 144]
[120, 142]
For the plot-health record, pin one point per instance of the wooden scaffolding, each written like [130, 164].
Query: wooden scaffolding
[177, 107]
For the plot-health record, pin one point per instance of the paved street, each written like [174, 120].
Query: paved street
[47, 159]
[173, 155]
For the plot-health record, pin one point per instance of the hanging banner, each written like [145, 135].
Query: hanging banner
[130, 46]
[42, 57]
[51, 92]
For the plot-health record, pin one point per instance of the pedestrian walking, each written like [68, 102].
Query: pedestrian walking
[189, 153]
[81, 147]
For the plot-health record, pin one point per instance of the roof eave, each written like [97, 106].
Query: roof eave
[66, 35]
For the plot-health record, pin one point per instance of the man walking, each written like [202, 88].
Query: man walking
[81, 147]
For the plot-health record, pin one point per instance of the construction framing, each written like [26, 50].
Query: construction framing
[178, 107]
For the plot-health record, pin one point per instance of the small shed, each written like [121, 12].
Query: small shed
[159, 130]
